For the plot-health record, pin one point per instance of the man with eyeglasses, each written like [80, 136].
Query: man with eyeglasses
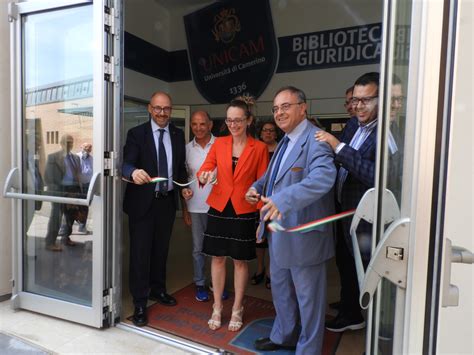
[355, 155]
[153, 149]
[348, 102]
[297, 188]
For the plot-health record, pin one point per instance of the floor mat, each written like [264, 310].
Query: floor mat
[189, 320]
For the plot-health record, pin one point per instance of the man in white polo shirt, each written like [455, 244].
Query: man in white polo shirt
[195, 214]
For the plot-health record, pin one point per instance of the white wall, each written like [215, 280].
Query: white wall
[5, 155]
[456, 324]
[146, 19]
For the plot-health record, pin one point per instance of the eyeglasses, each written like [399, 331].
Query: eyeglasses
[268, 130]
[157, 109]
[283, 107]
[236, 121]
[363, 100]
[397, 99]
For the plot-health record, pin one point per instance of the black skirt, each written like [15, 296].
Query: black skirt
[229, 234]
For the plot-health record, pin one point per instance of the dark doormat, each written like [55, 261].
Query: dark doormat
[189, 320]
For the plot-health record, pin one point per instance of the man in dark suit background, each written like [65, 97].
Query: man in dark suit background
[355, 155]
[155, 148]
[62, 174]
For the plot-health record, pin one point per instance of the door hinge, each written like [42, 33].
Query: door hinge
[108, 307]
[12, 11]
[109, 163]
[106, 300]
[109, 68]
[109, 20]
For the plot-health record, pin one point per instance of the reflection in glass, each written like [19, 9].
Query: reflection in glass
[57, 147]
[395, 151]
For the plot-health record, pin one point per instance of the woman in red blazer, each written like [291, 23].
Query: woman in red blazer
[240, 160]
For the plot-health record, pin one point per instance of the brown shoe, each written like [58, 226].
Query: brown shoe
[70, 243]
[54, 247]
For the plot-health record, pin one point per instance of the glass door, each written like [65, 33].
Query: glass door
[394, 286]
[60, 183]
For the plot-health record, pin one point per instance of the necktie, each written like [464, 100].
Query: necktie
[162, 163]
[73, 165]
[357, 140]
[276, 165]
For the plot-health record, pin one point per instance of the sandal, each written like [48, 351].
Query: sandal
[268, 283]
[236, 319]
[215, 321]
[257, 278]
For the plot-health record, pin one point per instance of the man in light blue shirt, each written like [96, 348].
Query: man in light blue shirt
[86, 175]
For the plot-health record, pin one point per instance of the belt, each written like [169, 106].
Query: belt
[162, 195]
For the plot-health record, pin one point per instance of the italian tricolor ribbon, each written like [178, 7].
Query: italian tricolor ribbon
[158, 179]
[275, 227]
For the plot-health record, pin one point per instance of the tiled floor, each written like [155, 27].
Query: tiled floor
[62, 337]
[10, 345]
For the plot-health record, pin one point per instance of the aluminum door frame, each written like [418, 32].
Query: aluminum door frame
[418, 169]
[94, 315]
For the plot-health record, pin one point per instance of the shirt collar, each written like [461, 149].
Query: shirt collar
[155, 127]
[211, 141]
[368, 126]
[295, 133]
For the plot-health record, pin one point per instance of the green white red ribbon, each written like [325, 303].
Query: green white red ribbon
[159, 179]
[275, 227]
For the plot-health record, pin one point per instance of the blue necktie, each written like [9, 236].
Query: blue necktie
[162, 163]
[276, 166]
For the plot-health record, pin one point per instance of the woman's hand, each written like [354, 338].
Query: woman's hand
[207, 177]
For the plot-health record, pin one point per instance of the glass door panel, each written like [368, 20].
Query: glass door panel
[61, 118]
[57, 122]
[396, 126]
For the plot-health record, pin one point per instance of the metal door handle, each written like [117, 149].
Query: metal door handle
[13, 183]
[453, 254]
[365, 211]
[388, 261]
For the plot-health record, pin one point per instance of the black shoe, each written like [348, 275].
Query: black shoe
[335, 305]
[342, 323]
[140, 318]
[266, 344]
[268, 283]
[163, 298]
[257, 278]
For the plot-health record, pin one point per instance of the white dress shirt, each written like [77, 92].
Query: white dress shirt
[168, 149]
[195, 156]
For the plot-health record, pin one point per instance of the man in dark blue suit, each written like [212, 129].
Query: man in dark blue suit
[355, 155]
[155, 148]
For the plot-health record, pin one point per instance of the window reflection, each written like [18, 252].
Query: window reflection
[57, 152]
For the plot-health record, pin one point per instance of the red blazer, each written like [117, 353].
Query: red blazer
[251, 166]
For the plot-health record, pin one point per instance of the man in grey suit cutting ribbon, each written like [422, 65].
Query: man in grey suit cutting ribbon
[297, 188]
